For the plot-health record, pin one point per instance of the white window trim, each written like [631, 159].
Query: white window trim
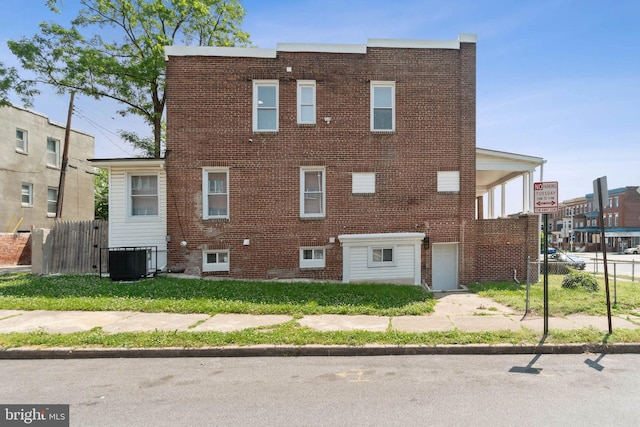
[30, 203]
[218, 266]
[448, 181]
[256, 84]
[130, 215]
[306, 84]
[304, 169]
[363, 183]
[57, 153]
[392, 85]
[372, 263]
[312, 263]
[52, 214]
[205, 192]
[25, 141]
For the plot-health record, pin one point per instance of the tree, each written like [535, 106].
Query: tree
[131, 67]
[101, 194]
[10, 81]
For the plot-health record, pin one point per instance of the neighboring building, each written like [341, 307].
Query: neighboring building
[138, 206]
[327, 162]
[621, 216]
[30, 164]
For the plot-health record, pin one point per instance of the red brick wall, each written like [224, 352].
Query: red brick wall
[209, 113]
[504, 245]
[15, 249]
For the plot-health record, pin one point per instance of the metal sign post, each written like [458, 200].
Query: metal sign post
[545, 201]
[600, 189]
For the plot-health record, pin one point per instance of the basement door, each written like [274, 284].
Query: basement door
[444, 276]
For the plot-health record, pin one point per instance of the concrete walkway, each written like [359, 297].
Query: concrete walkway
[466, 312]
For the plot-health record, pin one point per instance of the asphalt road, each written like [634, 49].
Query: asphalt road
[523, 390]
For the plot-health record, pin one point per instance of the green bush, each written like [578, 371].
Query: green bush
[579, 279]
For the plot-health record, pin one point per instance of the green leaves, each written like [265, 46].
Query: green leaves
[115, 49]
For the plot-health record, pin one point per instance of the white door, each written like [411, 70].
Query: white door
[444, 267]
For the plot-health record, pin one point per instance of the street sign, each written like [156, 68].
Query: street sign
[545, 197]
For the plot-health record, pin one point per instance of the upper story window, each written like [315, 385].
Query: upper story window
[27, 195]
[363, 183]
[215, 189]
[52, 201]
[448, 181]
[53, 153]
[383, 101]
[306, 102]
[22, 141]
[616, 202]
[312, 194]
[265, 105]
[143, 193]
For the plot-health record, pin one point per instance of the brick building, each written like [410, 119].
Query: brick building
[324, 162]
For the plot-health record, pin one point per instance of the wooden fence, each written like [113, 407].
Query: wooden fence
[74, 247]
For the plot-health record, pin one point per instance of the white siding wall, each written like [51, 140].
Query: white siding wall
[127, 231]
[407, 253]
[402, 272]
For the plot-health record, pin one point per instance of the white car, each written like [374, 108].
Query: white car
[633, 250]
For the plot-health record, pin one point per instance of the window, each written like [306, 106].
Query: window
[52, 201]
[383, 106]
[215, 260]
[312, 257]
[215, 188]
[144, 195]
[363, 183]
[265, 106]
[22, 145]
[381, 257]
[27, 195]
[616, 202]
[609, 221]
[448, 181]
[53, 153]
[306, 102]
[615, 220]
[312, 196]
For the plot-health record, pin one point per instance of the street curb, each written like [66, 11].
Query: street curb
[23, 353]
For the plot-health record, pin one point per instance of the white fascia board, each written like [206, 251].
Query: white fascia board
[322, 48]
[128, 163]
[247, 52]
[414, 44]
[377, 238]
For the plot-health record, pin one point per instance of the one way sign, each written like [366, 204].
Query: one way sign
[545, 197]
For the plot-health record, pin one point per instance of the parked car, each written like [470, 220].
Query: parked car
[571, 260]
[562, 261]
[550, 251]
[633, 250]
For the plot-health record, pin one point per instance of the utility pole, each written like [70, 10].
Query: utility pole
[65, 159]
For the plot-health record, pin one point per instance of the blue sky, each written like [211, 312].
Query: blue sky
[557, 79]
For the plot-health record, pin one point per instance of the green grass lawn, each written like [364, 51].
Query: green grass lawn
[176, 295]
[624, 297]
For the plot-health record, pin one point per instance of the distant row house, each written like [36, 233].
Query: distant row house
[576, 225]
[30, 164]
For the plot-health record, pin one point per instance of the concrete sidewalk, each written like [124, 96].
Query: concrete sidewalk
[466, 312]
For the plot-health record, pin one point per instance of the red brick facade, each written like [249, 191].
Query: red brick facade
[503, 247]
[15, 249]
[209, 124]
